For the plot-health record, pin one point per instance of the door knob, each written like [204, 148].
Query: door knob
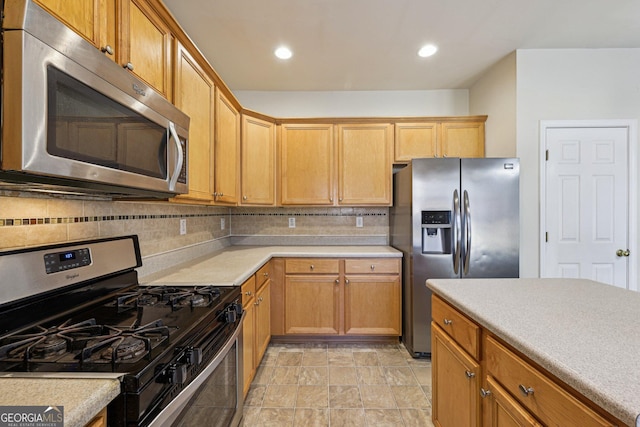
[622, 253]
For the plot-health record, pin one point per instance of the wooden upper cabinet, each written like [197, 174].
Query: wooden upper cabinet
[258, 164]
[364, 164]
[145, 45]
[415, 140]
[95, 20]
[306, 164]
[464, 139]
[450, 137]
[195, 93]
[226, 156]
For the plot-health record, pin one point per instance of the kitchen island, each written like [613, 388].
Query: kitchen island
[581, 333]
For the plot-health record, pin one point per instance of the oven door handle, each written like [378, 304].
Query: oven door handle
[171, 412]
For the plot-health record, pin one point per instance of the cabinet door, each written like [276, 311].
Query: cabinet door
[372, 305]
[227, 151]
[145, 44]
[248, 345]
[364, 164]
[456, 394]
[504, 411]
[95, 20]
[263, 321]
[194, 96]
[312, 304]
[306, 164]
[258, 162]
[415, 140]
[462, 139]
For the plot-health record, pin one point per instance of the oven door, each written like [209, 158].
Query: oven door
[75, 115]
[214, 398]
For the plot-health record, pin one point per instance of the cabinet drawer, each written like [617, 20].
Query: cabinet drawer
[545, 399]
[248, 290]
[462, 330]
[262, 275]
[312, 265]
[372, 265]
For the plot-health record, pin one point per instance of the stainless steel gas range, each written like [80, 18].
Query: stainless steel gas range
[78, 310]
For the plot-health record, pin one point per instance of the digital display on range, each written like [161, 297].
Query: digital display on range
[67, 260]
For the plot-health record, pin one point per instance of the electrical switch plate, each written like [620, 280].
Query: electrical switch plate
[183, 226]
[222, 224]
[292, 223]
[359, 222]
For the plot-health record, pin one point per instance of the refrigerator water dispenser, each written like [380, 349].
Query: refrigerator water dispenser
[436, 232]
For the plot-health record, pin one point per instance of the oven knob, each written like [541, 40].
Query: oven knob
[194, 356]
[177, 374]
[230, 315]
[238, 308]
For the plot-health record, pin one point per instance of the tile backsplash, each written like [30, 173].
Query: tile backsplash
[33, 221]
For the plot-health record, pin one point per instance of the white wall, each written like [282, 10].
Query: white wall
[494, 94]
[357, 103]
[565, 84]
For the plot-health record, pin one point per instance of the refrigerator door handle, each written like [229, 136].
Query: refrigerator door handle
[457, 229]
[467, 232]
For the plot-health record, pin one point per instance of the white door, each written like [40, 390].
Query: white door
[586, 218]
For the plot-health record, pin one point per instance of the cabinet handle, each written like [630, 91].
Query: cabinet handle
[311, 266]
[373, 267]
[128, 66]
[485, 393]
[340, 199]
[469, 374]
[337, 281]
[107, 49]
[447, 321]
[248, 293]
[527, 391]
[260, 299]
[346, 281]
[331, 199]
[256, 303]
[266, 274]
[244, 197]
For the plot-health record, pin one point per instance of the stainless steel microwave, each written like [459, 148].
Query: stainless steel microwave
[73, 121]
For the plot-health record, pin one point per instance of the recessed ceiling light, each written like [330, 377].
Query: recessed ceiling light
[427, 50]
[283, 52]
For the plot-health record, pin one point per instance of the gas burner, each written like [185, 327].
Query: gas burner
[124, 344]
[46, 343]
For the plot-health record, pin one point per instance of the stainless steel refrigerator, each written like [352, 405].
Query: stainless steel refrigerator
[452, 218]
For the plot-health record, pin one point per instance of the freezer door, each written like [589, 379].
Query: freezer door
[491, 217]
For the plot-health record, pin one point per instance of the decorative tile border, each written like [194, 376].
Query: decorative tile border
[8, 222]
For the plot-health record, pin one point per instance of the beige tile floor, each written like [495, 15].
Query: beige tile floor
[339, 385]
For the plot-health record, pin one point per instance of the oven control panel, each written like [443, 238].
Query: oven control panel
[66, 260]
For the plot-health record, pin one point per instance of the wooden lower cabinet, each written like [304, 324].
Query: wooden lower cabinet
[256, 333]
[99, 420]
[456, 377]
[504, 411]
[338, 297]
[514, 391]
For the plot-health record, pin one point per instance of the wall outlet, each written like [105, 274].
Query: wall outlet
[183, 226]
[222, 224]
[292, 223]
[359, 222]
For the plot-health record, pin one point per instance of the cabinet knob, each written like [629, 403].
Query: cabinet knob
[244, 197]
[260, 299]
[622, 253]
[447, 321]
[469, 374]
[128, 66]
[485, 393]
[526, 391]
[373, 267]
[311, 266]
[266, 274]
[346, 281]
[107, 49]
[337, 281]
[248, 293]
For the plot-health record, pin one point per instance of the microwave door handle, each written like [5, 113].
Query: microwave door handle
[178, 168]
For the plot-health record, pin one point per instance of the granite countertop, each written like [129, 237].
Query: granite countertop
[585, 333]
[235, 264]
[82, 398]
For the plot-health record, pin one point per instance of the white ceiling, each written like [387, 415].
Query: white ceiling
[373, 44]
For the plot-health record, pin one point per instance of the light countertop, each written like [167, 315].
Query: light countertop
[233, 265]
[82, 399]
[585, 333]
